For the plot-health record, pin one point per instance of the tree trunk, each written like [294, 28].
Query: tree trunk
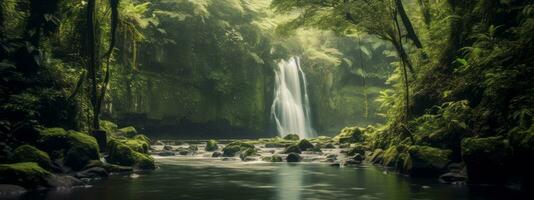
[404, 71]
[92, 61]
[408, 24]
[364, 82]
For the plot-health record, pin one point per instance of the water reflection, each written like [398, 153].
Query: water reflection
[289, 182]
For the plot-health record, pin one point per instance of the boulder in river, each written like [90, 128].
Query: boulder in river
[211, 145]
[233, 148]
[167, 148]
[293, 149]
[216, 154]
[305, 145]
[91, 173]
[120, 152]
[291, 137]
[293, 157]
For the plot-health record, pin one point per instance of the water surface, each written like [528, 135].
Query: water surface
[209, 179]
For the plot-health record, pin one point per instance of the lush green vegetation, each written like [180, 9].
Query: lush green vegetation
[424, 87]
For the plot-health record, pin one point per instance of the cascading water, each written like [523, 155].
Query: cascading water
[291, 106]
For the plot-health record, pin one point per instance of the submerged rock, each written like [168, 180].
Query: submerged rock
[211, 145]
[452, 177]
[91, 173]
[167, 148]
[293, 157]
[166, 153]
[273, 158]
[216, 154]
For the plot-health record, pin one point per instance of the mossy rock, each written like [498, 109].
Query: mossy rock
[211, 145]
[425, 161]
[291, 137]
[108, 126]
[128, 131]
[247, 153]
[28, 153]
[230, 150]
[293, 149]
[76, 148]
[143, 138]
[121, 153]
[484, 159]
[321, 140]
[26, 174]
[305, 145]
[138, 145]
[350, 135]
[356, 149]
[293, 157]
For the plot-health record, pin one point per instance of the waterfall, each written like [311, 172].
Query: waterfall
[291, 105]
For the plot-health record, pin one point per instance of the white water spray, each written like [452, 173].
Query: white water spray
[291, 106]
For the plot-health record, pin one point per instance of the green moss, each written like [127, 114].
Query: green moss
[211, 145]
[76, 148]
[246, 153]
[426, 161]
[233, 148]
[305, 145]
[27, 153]
[322, 140]
[26, 174]
[293, 149]
[121, 153]
[138, 145]
[350, 135]
[291, 137]
[108, 126]
[128, 131]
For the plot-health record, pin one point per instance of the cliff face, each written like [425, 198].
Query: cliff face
[211, 73]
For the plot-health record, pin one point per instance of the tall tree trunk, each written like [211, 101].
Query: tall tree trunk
[404, 71]
[408, 24]
[92, 61]
[114, 4]
[364, 81]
